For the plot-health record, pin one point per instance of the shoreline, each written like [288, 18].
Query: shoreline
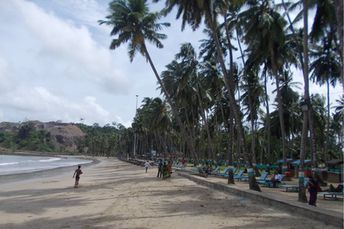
[17, 177]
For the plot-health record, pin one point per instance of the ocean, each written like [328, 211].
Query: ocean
[13, 164]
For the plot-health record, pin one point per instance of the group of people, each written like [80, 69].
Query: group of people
[164, 169]
[312, 186]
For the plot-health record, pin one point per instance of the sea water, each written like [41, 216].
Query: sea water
[13, 164]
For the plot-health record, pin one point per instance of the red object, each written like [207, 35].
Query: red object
[308, 173]
[287, 174]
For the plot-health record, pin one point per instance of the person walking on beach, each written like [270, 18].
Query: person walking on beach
[77, 174]
[147, 165]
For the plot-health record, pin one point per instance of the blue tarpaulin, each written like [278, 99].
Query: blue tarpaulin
[297, 162]
[288, 160]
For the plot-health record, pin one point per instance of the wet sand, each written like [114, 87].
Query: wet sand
[114, 194]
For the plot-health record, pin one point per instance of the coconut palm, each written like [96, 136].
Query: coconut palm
[264, 34]
[307, 111]
[327, 19]
[251, 99]
[325, 69]
[192, 12]
[134, 24]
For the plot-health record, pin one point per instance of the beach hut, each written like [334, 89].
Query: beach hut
[335, 171]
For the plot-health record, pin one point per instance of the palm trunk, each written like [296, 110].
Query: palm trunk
[230, 138]
[280, 108]
[328, 117]
[281, 120]
[189, 140]
[268, 126]
[231, 74]
[230, 84]
[302, 191]
[253, 153]
[209, 138]
[312, 136]
[305, 75]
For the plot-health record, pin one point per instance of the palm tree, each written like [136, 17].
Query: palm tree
[267, 44]
[134, 24]
[325, 69]
[306, 104]
[252, 97]
[328, 19]
[192, 12]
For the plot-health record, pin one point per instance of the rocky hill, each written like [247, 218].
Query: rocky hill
[61, 135]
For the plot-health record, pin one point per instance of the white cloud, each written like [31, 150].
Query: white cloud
[39, 103]
[62, 43]
[5, 80]
[50, 64]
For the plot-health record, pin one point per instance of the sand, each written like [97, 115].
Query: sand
[114, 194]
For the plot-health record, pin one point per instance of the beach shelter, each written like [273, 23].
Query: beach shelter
[306, 163]
[297, 162]
[289, 160]
[290, 168]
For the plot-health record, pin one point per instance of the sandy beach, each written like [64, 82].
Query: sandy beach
[114, 194]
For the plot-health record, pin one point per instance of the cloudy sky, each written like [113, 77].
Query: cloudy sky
[55, 63]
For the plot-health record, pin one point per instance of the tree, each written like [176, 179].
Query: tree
[252, 97]
[325, 69]
[134, 24]
[267, 43]
[192, 12]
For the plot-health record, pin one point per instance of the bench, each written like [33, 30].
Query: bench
[290, 188]
[331, 195]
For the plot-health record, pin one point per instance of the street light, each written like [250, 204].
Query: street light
[134, 130]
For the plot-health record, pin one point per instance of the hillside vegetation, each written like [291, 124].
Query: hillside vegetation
[58, 137]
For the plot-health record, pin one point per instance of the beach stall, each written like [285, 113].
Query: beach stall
[307, 169]
[289, 171]
[335, 171]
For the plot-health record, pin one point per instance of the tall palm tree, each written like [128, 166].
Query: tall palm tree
[134, 24]
[176, 79]
[306, 106]
[252, 97]
[325, 69]
[328, 17]
[192, 12]
[265, 37]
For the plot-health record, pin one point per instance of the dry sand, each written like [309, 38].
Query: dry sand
[113, 194]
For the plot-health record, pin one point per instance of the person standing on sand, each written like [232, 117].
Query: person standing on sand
[313, 188]
[77, 174]
[147, 165]
[160, 165]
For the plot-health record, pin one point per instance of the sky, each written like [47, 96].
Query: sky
[55, 63]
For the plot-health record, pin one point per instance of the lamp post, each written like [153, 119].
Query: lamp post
[134, 130]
